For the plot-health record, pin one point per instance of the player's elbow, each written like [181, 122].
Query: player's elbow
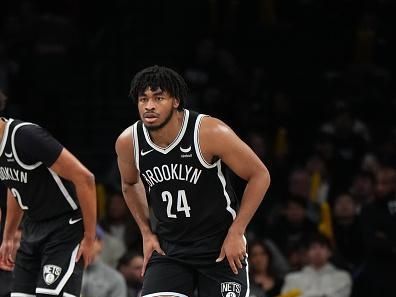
[129, 185]
[126, 187]
[86, 178]
[267, 175]
[264, 176]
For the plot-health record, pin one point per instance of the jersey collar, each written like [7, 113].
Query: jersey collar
[175, 142]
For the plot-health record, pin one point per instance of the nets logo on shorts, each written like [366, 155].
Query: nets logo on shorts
[230, 289]
[51, 273]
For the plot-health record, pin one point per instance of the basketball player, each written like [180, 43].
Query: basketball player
[47, 183]
[6, 276]
[178, 158]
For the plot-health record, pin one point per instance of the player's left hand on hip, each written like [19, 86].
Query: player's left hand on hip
[234, 249]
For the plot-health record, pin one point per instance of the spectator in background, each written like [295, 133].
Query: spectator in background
[319, 277]
[379, 225]
[99, 279]
[293, 226]
[258, 144]
[130, 266]
[262, 270]
[113, 249]
[295, 255]
[350, 139]
[362, 188]
[300, 185]
[120, 224]
[348, 232]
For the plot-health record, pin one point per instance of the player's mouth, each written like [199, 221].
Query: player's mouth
[150, 117]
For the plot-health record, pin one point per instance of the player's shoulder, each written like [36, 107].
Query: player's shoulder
[125, 139]
[21, 123]
[212, 126]
[27, 129]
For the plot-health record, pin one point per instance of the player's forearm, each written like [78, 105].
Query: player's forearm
[13, 218]
[252, 197]
[86, 194]
[135, 198]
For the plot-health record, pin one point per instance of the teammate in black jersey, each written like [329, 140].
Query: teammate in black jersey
[177, 159]
[49, 185]
[5, 270]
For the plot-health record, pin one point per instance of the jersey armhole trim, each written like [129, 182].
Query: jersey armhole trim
[23, 165]
[135, 141]
[197, 144]
[223, 182]
[63, 189]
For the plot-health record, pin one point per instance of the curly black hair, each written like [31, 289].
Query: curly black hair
[159, 77]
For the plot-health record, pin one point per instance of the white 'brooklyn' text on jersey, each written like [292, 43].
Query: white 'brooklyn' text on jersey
[191, 199]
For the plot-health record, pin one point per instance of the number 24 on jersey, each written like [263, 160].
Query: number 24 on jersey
[181, 206]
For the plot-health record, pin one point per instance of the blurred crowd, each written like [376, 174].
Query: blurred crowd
[308, 84]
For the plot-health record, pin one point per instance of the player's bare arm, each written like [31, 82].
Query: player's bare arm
[218, 141]
[13, 219]
[134, 193]
[68, 167]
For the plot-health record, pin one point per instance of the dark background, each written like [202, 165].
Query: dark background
[67, 65]
[308, 84]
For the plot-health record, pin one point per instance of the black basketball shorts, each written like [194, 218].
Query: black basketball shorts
[167, 276]
[45, 262]
[5, 283]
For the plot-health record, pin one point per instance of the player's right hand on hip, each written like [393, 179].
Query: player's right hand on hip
[150, 244]
[6, 250]
[86, 250]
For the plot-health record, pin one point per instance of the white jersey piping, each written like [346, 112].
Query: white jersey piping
[197, 145]
[224, 184]
[135, 141]
[23, 165]
[63, 189]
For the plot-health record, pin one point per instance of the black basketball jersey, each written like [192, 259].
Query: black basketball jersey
[191, 199]
[39, 191]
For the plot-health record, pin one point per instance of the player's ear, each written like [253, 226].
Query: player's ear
[176, 102]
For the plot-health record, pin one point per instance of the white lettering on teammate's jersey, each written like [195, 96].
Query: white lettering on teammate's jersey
[7, 173]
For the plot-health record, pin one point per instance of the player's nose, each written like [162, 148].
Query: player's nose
[150, 105]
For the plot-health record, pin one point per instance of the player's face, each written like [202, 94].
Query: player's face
[156, 108]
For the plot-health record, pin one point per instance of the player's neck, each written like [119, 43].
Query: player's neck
[164, 136]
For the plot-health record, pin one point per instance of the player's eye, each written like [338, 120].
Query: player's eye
[160, 98]
[142, 99]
